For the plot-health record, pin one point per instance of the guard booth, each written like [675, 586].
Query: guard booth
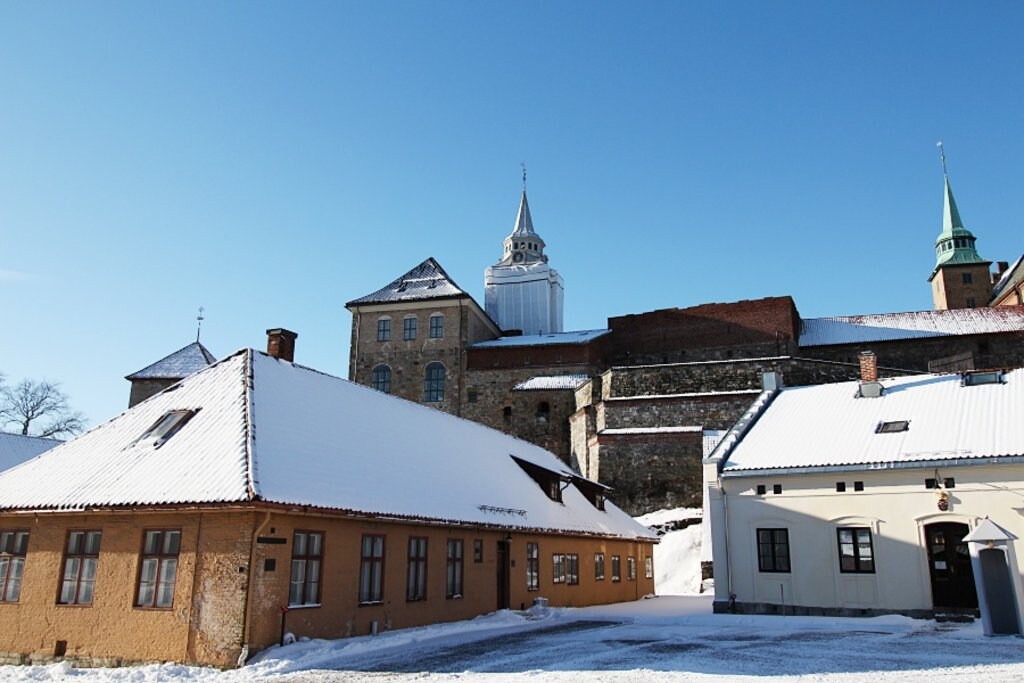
[997, 578]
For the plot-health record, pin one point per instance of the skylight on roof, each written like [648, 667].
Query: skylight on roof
[974, 378]
[890, 427]
[167, 426]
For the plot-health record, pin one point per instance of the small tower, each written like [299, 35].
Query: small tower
[521, 291]
[961, 277]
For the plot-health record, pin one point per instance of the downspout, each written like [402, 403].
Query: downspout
[190, 641]
[725, 523]
[247, 608]
[461, 345]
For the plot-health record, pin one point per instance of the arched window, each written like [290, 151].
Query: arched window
[433, 383]
[543, 411]
[380, 378]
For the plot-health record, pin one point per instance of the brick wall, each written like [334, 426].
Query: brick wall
[712, 331]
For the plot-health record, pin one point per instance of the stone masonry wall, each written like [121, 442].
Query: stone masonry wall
[489, 400]
[716, 411]
[408, 359]
[648, 472]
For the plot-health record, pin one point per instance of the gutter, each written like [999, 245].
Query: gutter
[875, 466]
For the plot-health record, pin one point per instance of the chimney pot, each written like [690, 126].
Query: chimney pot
[281, 343]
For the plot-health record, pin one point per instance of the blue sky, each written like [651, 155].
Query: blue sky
[270, 161]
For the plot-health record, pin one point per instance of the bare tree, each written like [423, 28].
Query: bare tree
[39, 409]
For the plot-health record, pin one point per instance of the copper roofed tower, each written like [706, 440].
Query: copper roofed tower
[521, 291]
[961, 277]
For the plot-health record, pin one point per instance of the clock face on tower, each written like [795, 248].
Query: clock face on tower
[517, 257]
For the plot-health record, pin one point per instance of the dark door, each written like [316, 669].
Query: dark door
[503, 575]
[949, 563]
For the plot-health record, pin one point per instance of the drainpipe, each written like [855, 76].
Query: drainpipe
[246, 610]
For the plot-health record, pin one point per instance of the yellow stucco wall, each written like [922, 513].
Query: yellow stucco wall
[206, 623]
[202, 625]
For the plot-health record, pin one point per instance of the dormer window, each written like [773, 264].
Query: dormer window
[550, 482]
[891, 427]
[970, 379]
[167, 426]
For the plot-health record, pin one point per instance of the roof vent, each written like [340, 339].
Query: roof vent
[974, 378]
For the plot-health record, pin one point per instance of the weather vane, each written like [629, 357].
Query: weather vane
[523, 164]
[942, 154]
[199, 322]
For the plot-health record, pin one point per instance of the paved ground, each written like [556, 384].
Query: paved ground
[620, 651]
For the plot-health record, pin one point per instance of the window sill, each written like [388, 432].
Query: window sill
[371, 604]
[457, 596]
[308, 605]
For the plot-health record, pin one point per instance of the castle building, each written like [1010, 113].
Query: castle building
[521, 291]
[409, 338]
[637, 404]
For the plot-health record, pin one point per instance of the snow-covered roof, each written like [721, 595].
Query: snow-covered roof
[552, 382]
[16, 449]
[692, 394]
[651, 430]
[577, 337]
[830, 426]
[269, 430]
[1011, 277]
[856, 329]
[426, 281]
[181, 363]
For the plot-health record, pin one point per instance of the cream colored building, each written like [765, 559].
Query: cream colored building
[854, 498]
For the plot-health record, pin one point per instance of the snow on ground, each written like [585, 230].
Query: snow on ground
[660, 640]
[677, 556]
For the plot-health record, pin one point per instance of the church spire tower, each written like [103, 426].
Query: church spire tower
[961, 277]
[521, 291]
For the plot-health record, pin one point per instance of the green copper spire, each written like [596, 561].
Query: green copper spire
[955, 244]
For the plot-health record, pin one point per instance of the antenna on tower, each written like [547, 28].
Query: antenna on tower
[523, 164]
[942, 155]
[199, 322]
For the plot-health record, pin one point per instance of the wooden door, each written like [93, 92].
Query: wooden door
[503, 575]
[949, 563]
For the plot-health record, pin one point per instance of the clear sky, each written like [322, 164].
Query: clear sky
[271, 161]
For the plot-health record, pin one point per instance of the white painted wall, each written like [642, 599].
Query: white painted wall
[524, 297]
[895, 505]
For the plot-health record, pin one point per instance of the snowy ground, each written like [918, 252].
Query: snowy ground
[665, 639]
[657, 640]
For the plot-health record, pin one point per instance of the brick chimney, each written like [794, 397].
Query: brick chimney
[868, 367]
[870, 387]
[281, 343]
